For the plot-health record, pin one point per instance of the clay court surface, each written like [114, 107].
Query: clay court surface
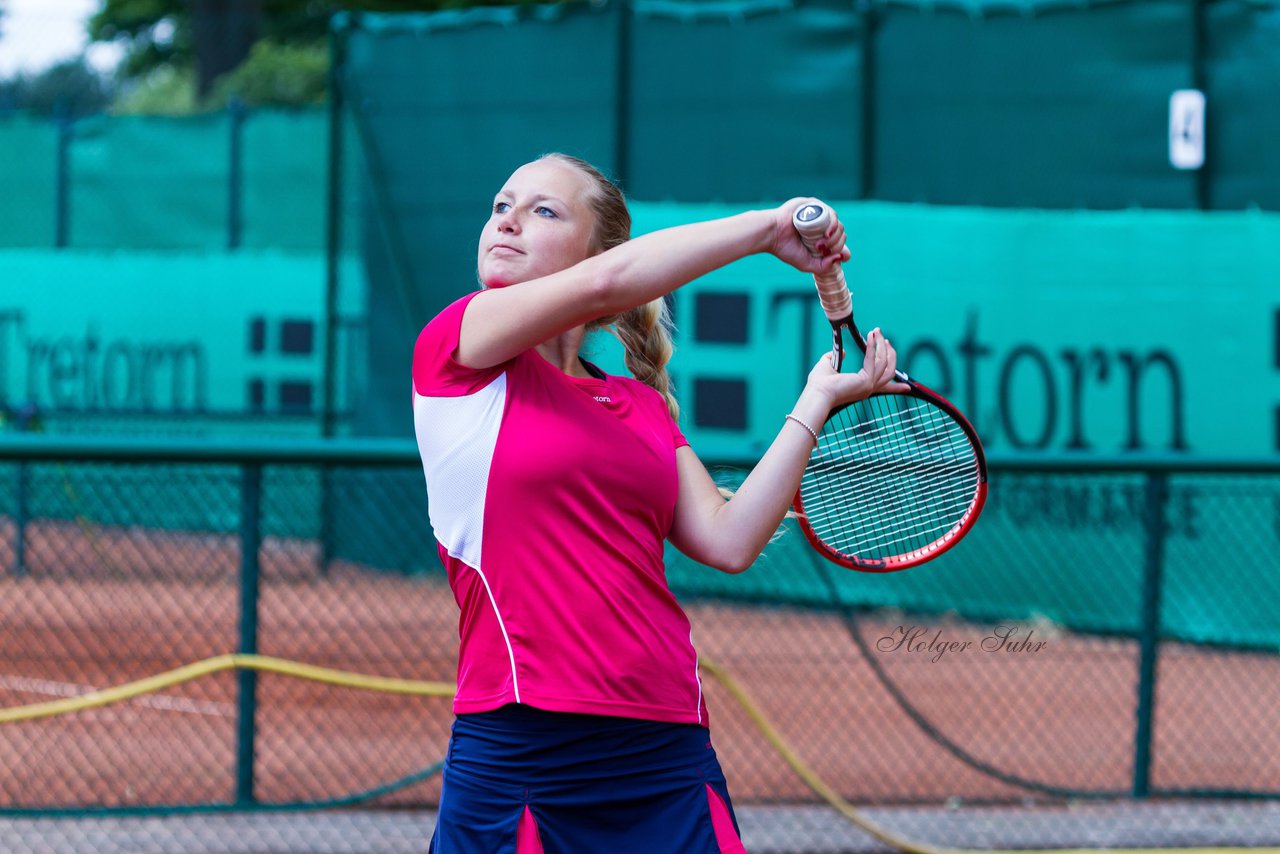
[102, 608]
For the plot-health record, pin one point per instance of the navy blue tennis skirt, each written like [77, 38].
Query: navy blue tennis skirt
[519, 780]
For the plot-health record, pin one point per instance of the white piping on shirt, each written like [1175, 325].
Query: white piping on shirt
[697, 675]
[511, 655]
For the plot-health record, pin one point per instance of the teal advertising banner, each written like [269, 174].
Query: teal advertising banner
[161, 336]
[1082, 332]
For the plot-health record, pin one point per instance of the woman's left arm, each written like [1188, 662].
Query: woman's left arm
[730, 535]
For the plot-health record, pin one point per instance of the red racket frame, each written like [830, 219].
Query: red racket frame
[938, 546]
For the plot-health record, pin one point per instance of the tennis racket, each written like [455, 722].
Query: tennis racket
[896, 479]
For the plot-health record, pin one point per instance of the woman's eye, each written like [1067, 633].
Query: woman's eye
[543, 210]
[501, 207]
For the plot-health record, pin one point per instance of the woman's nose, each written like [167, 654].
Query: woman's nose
[507, 222]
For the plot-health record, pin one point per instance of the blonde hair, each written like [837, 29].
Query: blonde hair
[644, 331]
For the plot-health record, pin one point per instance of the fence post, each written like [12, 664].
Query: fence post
[339, 28]
[333, 221]
[20, 519]
[62, 180]
[25, 419]
[235, 172]
[250, 539]
[1157, 494]
[622, 97]
[868, 20]
[1203, 176]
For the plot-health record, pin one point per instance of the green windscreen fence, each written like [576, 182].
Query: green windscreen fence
[1053, 108]
[234, 179]
[285, 192]
[119, 196]
[1028, 105]
[28, 176]
[1009, 104]
[740, 102]
[1243, 42]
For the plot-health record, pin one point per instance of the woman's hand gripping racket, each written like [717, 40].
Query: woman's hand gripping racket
[896, 479]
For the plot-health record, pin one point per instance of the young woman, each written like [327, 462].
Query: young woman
[580, 722]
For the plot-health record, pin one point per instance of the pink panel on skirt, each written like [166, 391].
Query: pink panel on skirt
[527, 841]
[726, 837]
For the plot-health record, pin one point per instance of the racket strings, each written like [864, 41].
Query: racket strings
[935, 480]
[891, 475]
[924, 474]
[897, 454]
[867, 525]
[878, 460]
[891, 427]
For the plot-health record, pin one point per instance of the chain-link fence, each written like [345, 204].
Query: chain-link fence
[1104, 639]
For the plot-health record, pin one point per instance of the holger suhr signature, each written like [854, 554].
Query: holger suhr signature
[922, 641]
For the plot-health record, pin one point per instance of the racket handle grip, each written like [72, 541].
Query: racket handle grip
[811, 223]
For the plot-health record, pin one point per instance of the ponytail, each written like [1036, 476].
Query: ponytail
[645, 333]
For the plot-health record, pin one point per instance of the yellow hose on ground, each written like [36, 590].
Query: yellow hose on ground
[186, 673]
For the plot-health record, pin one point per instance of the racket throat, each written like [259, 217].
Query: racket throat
[837, 345]
[838, 328]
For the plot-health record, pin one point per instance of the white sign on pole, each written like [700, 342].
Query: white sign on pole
[1186, 129]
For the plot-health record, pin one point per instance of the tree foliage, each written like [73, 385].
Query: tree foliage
[283, 75]
[183, 56]
[67, 89]
[162, 32]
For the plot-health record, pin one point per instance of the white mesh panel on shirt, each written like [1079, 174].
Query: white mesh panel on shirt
[456, 438]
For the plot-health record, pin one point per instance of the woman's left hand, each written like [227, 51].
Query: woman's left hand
[876, 375]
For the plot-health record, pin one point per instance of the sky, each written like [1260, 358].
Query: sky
[35, 34]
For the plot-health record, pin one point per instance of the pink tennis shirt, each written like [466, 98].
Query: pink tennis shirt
[551, 497]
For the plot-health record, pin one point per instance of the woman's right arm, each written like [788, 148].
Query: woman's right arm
[503, 322]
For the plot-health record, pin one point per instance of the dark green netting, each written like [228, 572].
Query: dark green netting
[28, 182]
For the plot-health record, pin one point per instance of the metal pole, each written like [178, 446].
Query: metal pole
[247, 701]
[235, 172]
[26, 419]
[1157, 494]
[1199, 80]
[62, 180]
[333, 221]
[21, 488]
[333, 239]
[867, 105]
[378, 185]
[622, 98]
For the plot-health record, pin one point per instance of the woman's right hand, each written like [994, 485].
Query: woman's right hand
[787, 245]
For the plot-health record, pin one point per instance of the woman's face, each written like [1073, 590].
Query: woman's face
[541, 223]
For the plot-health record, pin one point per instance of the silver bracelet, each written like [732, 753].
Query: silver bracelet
[812, 432]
